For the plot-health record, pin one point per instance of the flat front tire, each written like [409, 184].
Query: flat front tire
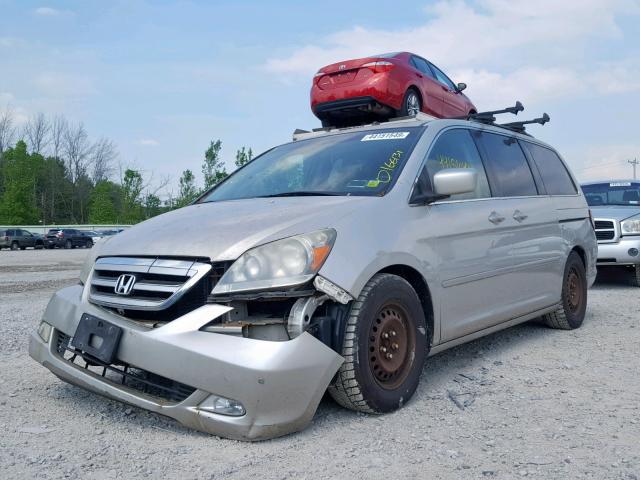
[570, 314]
[385, 345]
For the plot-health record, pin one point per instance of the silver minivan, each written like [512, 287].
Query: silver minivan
[339, 261]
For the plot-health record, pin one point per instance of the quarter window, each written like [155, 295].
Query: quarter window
[508, 168]
[456, 149]
[555, 176]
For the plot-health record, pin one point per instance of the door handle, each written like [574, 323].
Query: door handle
[518, 216]
[418, 75]
[496, 218]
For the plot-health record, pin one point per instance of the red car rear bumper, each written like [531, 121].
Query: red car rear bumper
[377, 92]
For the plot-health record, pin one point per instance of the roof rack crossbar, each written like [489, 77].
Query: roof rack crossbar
[490, 117]
[520, 126]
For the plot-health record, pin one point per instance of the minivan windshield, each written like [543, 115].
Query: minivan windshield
[612, 193]
[356, 163]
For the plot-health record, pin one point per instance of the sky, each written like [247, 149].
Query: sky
[164, 78]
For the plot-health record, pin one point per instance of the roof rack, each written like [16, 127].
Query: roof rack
[489, 118]
[519, 126]
[300, 134]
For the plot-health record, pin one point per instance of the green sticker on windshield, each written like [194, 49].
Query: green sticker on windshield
[373, 183]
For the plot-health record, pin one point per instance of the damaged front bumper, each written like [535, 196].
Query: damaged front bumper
[278, 383]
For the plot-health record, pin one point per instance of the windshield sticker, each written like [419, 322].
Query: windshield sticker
[385, 136]
[450, 162]
[386, 169]
[620, 184]
[358, 184]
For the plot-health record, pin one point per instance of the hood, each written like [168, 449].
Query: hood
[225, 230]
[615, 212]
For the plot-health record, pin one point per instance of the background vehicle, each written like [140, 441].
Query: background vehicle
[15, 238]
[108, 233]
[95, 236]
[615, 205]
[392, 84]
[67, 238]
[340, 261]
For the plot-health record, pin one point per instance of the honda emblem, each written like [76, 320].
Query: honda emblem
[124, 284]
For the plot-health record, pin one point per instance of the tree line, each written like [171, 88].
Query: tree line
[51, 172]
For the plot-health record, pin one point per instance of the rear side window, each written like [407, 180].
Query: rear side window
[508, 168]
[423, 66]
[442, 78]
[555, 176]
[456, 149]
[11, 233]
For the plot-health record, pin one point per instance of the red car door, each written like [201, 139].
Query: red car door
[432, 95]
[454, 104]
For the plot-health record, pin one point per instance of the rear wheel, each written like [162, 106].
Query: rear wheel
[14, 246]
[384, 347]
[571, 313]
[411, 104]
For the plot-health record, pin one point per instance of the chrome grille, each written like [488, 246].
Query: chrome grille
[159, 282]
[606, 230]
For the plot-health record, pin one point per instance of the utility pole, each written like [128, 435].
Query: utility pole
[635, 163]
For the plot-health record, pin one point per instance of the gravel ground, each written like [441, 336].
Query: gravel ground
[525, 402]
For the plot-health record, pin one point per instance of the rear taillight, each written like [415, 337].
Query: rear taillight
[379, 67]
[60, 234]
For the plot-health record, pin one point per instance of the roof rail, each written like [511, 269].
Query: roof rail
[300, 134]
[489, 118]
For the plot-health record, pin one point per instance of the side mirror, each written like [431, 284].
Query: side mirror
[454, 181]
[461, 86]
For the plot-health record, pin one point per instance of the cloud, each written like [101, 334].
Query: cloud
[533, 50]
[597, 162]
[148, 142]
[47, 12]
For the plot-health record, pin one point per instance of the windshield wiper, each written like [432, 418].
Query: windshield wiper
[303, 193]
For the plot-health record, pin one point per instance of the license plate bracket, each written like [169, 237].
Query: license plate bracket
[97, 337]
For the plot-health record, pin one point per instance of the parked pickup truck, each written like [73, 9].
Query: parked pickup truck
[615, 206]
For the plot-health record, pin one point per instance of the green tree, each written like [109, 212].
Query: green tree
[188, 190]
[151, 205]
[243, 157]
[18, 203]
[213, 167]
[102, 208]
[132, 186]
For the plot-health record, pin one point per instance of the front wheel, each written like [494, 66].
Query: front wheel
[570, 314]
[89, 244]
[411, 104]
[385, 345]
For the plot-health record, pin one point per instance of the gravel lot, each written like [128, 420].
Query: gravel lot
[525, 402]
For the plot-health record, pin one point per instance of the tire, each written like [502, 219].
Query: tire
[14, 246]
[68, 244]
[387, 308]
[23, 248]
[574, 297]
[411, 103]
[89, 244]
[635, 276]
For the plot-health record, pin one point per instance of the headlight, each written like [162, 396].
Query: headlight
[283, 263]
[630, 227]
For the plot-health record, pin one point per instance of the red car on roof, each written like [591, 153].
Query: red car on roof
[392, 84]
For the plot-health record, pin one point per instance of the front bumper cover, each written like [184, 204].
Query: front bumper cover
[279, 383]
[618, 253]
